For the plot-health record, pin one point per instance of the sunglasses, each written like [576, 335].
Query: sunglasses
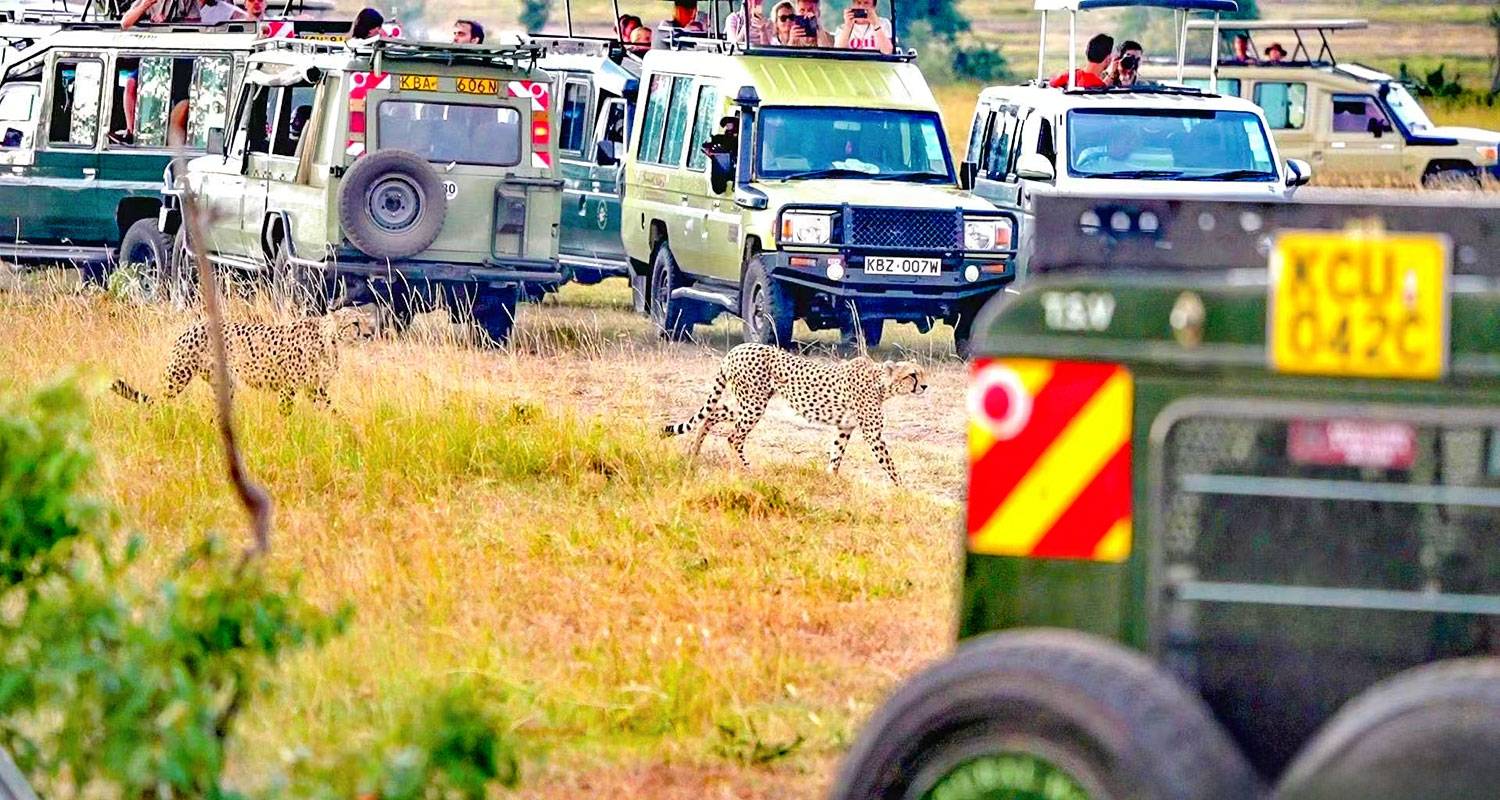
[785, 18]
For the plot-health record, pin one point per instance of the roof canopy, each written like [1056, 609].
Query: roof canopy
[1283, 24]
[1222, 6]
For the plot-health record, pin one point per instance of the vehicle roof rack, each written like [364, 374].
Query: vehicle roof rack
[562, 44]
[678, 39]
[1218, 6]
[507, 55]
[1181, 9]
[1300, 53]
[1145, 88]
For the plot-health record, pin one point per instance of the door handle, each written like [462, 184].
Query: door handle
[684, 199]
[583, 202]
[89, 173]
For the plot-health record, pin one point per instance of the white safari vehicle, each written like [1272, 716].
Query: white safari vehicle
[1137, 142]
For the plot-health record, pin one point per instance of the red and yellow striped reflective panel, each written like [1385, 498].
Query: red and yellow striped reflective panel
[1049, 459]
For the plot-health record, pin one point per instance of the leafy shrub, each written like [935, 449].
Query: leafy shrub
[1435, 84]
[112, 688]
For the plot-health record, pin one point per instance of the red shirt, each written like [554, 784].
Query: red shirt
[1084, 80]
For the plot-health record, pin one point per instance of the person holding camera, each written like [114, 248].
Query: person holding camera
[864, 29]
[1125, 69]
[807, 27]
[756, 31]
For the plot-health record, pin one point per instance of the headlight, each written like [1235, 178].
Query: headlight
[987, 234]
[1487, 152]
[806, 228]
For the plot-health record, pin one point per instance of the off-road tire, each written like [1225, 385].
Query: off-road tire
[1102, 716]
[392, 204]
[765, 307]
[672, 318]
[182, 270]
[148, 248]
[1450, 175]
[1432, 732]
[301, 286]
[495, 314]
[963, 330]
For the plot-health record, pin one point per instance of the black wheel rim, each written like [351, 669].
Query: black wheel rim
[1005, 776]
[395, 203]
[148, 259]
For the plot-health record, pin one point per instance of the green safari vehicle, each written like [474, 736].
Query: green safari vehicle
[1233, 510]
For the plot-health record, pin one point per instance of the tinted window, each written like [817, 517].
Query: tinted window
[656, 118]
[976, 134]
[448, 132]
[704, 125]
[1229, 87]
[75, 103]
[18, 113]
[677, 121]
[1285, 104]
[1358, 113]
[573, 129]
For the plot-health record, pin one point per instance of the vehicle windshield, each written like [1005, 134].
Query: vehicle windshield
[804, 143]
[446, 133]
[1175, 144]
[1405, 108]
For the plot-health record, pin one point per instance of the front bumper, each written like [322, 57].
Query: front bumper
[891, 296]
[492, 272]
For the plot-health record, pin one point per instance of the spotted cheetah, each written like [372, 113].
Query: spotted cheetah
[282, 358]
[847, 395]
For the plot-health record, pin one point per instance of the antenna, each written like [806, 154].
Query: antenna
[615, 23]
[568, 7]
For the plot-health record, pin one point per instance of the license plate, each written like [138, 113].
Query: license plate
[479, 85]
[1359, 304]
[419, 83]
[887, 265]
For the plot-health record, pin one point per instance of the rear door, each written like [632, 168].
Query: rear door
[20, 117]
[60, 203]
[608, 146]
[579, 235]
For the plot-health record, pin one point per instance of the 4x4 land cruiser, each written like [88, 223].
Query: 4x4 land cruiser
[1139, 142]
[1345, 119]
[89, 116]
[595, 86]
[392, 170]
[844, 195]
[1233, 498]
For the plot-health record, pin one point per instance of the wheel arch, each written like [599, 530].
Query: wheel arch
[134, 209]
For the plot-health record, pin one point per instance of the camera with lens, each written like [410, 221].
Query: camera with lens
[1130, 63]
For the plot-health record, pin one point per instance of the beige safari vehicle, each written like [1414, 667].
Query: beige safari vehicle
[1348, 121]
[838, 204]
[389, 170]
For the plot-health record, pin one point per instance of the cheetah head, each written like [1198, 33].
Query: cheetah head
[346, 324]
[904, 377]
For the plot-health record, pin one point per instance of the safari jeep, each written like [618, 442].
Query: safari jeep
[1234, 488]
[89, 117]
[1348, 120]
[837, 205]
[396, 171]
[595, 83]
[1145, 141]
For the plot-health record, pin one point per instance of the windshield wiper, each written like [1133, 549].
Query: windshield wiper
[832, 172]
[1231, 175]
[1135, 173]
[915, 177]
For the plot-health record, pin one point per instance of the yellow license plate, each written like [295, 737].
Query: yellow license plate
[1359, 304]
[479, 85]
[419, 83]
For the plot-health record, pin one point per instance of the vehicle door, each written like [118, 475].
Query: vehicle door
[992, 150]
[66, 170]
[718, 248]
[1362, 140]
[579, 235]
[1035, 134]
[20, 116]
[605, 180]
[261, 119]
[272, 182]
[1285, 106]
[222, 179]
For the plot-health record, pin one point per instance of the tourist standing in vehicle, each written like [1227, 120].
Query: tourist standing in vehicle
[1275, 54]
[687, 17]
[1100, 53]
[759, 27]
[1124, 70]
[159, 11]
[367, 24]
[467, 31]
[1242, 52]
[215, 12]
[810, 25]
[864, 29]
[784, 23]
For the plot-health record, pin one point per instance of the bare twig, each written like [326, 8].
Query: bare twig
[253, 496]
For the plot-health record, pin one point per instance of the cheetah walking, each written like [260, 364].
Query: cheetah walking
[847, 395]
[282, 358]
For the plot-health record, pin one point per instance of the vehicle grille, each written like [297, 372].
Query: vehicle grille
[905, 229]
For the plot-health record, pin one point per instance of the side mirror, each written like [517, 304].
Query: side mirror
[720, 172]
[1380, 127]
[1035, 167]
[968, 173]
[1298, 172]
[751, 199]
[13, 138]
[606, 156]
[216, 141]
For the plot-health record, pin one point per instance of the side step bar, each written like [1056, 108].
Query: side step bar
[706, 296]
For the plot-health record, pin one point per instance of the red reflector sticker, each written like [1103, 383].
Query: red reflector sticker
[1352, 443]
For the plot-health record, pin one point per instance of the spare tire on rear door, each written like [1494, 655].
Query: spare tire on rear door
[392, 204]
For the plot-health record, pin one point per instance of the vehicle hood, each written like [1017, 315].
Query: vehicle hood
[1243, 191]
[870, 193]
[1475, 135]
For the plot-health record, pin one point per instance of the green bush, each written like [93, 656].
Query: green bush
[112, 688]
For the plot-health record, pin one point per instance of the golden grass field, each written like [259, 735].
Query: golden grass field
[650, 627]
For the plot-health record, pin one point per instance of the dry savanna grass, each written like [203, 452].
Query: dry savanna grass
[651, 627]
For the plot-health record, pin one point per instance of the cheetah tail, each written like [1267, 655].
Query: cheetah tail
[129, 392]
[715, 396]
